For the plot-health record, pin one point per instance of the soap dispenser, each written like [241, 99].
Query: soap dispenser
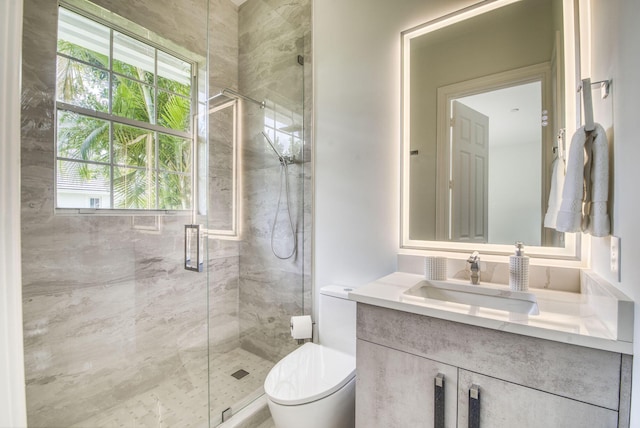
[519, 269]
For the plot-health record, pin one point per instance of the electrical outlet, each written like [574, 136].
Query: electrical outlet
[615, 255]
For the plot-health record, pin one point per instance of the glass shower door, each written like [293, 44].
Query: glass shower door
[257, 206]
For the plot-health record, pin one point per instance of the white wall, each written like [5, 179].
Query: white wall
[357, 122]
[614, 48]
[12, 396]
[357, 133]
[514, 189]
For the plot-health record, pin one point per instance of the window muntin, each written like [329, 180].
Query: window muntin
[124, 111]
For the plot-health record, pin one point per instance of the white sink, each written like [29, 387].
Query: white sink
[486, 296]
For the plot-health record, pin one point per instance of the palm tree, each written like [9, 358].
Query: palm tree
[138, 170]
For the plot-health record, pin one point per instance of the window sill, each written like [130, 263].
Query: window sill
[118, 212]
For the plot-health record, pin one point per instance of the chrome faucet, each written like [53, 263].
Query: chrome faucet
[474, 261]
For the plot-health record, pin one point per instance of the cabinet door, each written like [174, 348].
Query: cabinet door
[396, 389]
[507, 405]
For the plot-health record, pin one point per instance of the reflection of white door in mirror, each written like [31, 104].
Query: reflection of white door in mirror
[513, 102]
[468, 186]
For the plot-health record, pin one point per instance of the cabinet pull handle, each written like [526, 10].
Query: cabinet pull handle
[474, 406]
[438, 402]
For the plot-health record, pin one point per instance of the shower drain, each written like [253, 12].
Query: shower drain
[240, 374]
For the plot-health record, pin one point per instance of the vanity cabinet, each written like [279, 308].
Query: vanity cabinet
[521, 381]
[399, 389]
[506, 404]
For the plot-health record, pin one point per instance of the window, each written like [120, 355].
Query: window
[124, 131]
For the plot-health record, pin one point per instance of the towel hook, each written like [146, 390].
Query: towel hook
[605, 87]
[588, 105]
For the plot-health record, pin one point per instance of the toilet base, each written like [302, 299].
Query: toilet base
[335, 411]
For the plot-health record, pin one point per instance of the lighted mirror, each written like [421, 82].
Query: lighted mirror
[484, 111]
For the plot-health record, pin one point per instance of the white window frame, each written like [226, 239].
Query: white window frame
[191, 135]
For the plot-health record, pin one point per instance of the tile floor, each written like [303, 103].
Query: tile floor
[181, 400]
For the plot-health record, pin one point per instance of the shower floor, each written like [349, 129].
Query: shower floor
[181, 400]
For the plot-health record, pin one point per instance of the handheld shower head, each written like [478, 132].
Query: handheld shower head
[284, 176]
[280, 157]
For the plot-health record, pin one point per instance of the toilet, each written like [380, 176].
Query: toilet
[314, 386]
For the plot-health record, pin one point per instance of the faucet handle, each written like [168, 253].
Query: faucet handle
[474, 261]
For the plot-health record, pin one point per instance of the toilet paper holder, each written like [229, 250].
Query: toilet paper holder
[308, 335]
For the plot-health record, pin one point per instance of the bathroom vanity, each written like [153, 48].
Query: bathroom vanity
[435, 363]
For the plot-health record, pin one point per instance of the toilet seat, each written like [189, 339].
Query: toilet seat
[309, 373]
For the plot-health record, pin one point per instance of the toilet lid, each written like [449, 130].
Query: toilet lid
[309, 373]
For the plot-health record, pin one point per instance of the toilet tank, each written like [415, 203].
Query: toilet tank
[337, 319]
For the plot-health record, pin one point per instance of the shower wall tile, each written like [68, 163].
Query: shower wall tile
[183, 23]
[220, 248]
[268, 299]
[109, 311]
[272, 35]
[89, 347]
[223, 45]
[269, 47]
[224, 327]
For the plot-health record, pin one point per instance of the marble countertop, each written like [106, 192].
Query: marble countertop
[599, 317]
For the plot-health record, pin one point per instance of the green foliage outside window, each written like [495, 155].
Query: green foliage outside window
[143, 161]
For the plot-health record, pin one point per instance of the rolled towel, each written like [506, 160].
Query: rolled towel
[599, 223]
[573, 193]
[570, 213]
[555, 193]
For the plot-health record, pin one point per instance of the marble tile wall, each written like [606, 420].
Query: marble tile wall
[109, 312]
[272, 34]
[224, 330]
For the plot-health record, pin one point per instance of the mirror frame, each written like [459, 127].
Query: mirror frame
[576, 245]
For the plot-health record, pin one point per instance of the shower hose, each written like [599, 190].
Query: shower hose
[284, 176]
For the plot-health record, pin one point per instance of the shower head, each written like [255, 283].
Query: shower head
[280, 157]
[219, 101]
[226, 96]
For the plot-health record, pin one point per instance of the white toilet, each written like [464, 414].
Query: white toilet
[314, 386]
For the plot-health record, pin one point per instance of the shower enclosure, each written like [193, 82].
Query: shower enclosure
[259, 268]
[117, 332]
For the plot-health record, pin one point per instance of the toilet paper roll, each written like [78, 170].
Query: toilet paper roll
[301, 327]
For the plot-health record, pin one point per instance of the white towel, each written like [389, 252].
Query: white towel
[599, 224]
[573, 194]
[555, 192]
